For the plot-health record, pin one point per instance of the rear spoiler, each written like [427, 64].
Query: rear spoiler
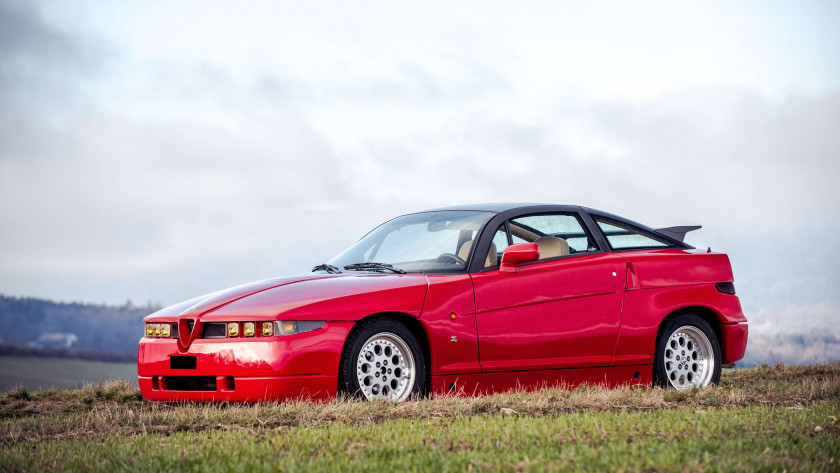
[678, 233]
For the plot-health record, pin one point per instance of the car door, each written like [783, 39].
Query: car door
[561, 311]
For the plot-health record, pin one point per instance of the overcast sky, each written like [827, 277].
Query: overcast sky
[162, 150]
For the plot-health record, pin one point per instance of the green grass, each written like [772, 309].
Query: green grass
[764, 419]
[62, 373]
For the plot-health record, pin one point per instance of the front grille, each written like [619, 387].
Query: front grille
[214, 330]
[190, 323]
[190, 383]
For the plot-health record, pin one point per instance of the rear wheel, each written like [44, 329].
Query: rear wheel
[383, 360]
[687, 354]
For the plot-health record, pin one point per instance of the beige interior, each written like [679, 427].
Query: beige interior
[464, 251]
[552, 247]
[492, 255]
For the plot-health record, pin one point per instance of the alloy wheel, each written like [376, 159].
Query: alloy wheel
[385, 368]
[689, 358]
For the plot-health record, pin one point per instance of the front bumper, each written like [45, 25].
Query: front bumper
[302, 366]
[242, 389]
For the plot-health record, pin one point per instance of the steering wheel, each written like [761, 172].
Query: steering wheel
[451, 257]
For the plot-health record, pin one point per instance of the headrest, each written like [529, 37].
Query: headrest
[552, 247]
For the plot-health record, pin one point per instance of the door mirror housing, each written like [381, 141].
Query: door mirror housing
[515, 255]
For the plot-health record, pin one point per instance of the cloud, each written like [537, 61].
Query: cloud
[159, 159]
[820, 317]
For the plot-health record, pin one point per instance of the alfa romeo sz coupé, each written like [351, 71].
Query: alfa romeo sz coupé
[468, 299]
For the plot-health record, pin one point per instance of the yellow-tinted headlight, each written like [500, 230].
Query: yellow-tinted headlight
[233, 329]
[150, 330]
[267, 329]
[248, 328]
[165, 330]
[157, 330]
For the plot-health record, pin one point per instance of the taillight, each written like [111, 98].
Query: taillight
[726, 287]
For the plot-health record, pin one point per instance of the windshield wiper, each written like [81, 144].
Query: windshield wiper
[374, 267]
[326, 267]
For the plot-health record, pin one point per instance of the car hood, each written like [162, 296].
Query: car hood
[346, 296]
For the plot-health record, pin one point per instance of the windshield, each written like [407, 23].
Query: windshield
[423, 242]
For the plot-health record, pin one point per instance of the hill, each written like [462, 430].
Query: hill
[86, 327]
[760, 419]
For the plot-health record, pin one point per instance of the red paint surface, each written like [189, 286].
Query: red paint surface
[734, 342]
[550, 314]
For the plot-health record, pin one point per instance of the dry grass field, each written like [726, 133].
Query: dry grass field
[780, 418]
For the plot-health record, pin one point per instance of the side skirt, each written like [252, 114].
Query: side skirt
[499, 382]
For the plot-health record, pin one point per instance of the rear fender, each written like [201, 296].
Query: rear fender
[646, 309]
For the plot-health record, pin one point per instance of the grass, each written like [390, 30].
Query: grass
[66, 373]
[763, 419]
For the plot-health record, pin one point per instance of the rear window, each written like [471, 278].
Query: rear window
[623, 237]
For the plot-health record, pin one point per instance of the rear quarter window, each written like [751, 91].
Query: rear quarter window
[622, 237]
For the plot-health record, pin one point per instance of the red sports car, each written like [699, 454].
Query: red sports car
[469, 299]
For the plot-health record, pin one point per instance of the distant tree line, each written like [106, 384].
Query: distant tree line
[99, 327]
[792, 349]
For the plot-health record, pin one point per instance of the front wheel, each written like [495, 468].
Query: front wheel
[687, 354]
[383, 360]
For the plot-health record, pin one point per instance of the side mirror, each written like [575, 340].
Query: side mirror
[515, 255]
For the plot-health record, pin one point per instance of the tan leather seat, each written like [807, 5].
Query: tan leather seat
[492, 255]
[552, 247]
[464, 251]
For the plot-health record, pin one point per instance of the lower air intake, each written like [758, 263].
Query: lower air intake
[190, 383]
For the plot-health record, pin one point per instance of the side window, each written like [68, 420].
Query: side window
[623, 238]
[556, 234]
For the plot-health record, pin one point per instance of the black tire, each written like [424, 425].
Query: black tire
[690, 321]
[363, 333]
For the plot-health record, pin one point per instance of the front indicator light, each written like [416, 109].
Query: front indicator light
[248, 329]
[292, 327]
[150, 330]
[165, 330]
[233, 329]
[267, 329]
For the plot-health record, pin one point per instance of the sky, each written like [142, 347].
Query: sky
[156, 151]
